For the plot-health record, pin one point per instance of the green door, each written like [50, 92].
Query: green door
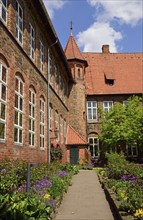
[74, 155]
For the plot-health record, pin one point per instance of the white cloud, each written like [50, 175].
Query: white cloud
[102, 31]
[52, 5]
[125, 11]
[96, 35]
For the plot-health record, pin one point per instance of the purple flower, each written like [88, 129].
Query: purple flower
[42, 185]
[62, 173]
[22, 187]
[3, 171]
[129, 178]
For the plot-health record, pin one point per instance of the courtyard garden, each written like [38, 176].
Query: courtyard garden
[46, 188]
[124, 182]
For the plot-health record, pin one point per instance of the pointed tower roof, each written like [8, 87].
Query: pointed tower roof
[72, 51]
[73, 137]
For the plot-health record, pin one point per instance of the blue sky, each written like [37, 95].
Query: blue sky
[118, 23]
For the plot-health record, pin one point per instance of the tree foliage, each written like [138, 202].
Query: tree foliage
[123, 124]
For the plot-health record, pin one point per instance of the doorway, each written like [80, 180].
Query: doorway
[74, 155]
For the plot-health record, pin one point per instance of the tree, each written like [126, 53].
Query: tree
[123, 124]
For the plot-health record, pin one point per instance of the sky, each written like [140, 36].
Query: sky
[118, 23]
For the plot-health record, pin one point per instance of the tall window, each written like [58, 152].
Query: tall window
[42, 122]
[91, 110]
[32, 42]
[107, 106]
[50, 117]
[19, 22]
[94, 146]
[18, 119]
[3, 100]
[31, 117]
[41, 57]
[61, 129]
[3, 10]
[57, 123]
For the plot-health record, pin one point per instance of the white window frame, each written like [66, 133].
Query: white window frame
[125, 103]
[94, 145]
[42, 123]
[3, 101]
[32, 107]
[92, 110]
[18, 126]
[32, 42]
[41, 57]
[19, 23]
[107, 106]
[57, 124]
[133, 148]
[3, 9]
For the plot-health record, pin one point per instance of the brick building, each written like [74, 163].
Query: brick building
[106, 78]
[49, 97]
[30, 107]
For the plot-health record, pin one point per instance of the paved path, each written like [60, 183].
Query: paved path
[85, 199]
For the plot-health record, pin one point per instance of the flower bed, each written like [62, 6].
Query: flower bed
[48, 183]
[125, 180]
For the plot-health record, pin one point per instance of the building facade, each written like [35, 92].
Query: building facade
[34, 83]
[49, 98]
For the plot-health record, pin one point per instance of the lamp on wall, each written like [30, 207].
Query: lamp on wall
[48, 100]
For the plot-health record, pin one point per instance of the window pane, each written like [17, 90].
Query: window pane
[21, 104]
[20, 136]
[20, 119]
[3, 111]
[91, 140]
[94, 104]
[2, 131]
[33, 125]
[3, 74]
[16, 118]
[94, 113]
[3, 92]
[16, 100]
[89, 104]
[16, 84]
[15, 134]
[4, 14]
[33, 139]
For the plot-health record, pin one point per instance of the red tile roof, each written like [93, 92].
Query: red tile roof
[72, 51]
[73, 138]
[126, 70]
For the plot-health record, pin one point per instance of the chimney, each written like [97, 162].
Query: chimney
[105, 49]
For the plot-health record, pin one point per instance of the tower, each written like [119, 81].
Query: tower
[77, 103]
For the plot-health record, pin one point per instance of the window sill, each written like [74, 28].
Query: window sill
[42, 148]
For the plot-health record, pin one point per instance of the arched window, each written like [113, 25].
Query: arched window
[3, 100]
[42, 122]
[32, 97]
[18, 118]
